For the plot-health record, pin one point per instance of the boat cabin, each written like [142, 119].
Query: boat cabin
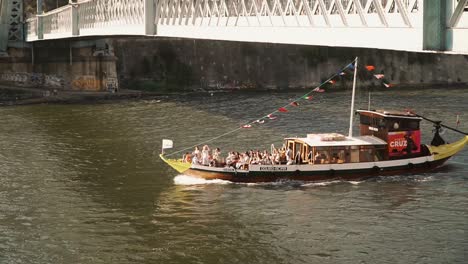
[384, 135]
[399, 129]
[336, 148]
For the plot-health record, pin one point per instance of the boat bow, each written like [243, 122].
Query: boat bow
[177, 165]
[448, 150]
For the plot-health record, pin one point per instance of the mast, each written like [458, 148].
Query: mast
[351, 115]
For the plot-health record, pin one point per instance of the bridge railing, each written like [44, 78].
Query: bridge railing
[299, 13]
[57, 23]
[111, 17]
[31, 29]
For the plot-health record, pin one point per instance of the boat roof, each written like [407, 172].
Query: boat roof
[317, 140]
[391, 113]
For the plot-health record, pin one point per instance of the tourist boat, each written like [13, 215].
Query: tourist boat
[389, 144]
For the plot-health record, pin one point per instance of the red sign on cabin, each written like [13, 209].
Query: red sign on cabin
[404, 143]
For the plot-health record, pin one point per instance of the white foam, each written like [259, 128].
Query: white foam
[355, 182]
[188, 180]
[321, 183]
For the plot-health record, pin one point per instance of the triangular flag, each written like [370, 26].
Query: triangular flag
[351, 66]
[294, 104]
[332, 81]
[272, 117]
[342, 73]
[318, 90]
[282, 109]
[379, 76]
[307, 97]
[247, 126]
[260, 121]
[370, 67]
[388, 85]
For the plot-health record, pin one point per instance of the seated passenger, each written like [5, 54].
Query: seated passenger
[195, 160]
[187, 157]
[317, 158]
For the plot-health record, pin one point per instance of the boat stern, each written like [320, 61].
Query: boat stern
[448, 150]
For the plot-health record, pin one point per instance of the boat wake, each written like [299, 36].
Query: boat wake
[189, 180]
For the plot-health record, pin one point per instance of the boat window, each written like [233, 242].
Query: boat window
[366, 153]
[322, 156]
[337, 155]
[403, 125]
[354, 154]
[365, 120]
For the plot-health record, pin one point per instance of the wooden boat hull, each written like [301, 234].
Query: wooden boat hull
[316, 175]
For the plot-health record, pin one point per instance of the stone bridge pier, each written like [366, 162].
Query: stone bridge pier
[61, 65]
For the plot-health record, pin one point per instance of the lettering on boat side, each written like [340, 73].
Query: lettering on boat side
[228, 169]
[373, 128]
[273, 169]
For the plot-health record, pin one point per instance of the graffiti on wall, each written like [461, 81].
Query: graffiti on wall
[53, 81]
[86, 82]
[40, 80]
[20, 78]
[33, 79]
[111, 84]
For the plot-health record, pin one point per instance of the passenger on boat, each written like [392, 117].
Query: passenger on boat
[282, 155]
[216, 158]
[187, 157]
[205, 156]
[310, 157]
[195, 160]
[317, 158]
[298, 158]
[231, 159]
[196, 152]
[275, 157]
[289, 156]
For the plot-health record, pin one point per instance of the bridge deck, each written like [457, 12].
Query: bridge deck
[383, 24]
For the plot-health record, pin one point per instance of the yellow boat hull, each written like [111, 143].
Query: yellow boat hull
[177, 165]
[448, 150]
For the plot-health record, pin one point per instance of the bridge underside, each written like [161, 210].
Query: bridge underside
[407, 25]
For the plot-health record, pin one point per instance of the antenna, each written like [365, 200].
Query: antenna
[351, 115]
[368, 105]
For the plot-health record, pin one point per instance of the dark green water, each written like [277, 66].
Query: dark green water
[83, 184]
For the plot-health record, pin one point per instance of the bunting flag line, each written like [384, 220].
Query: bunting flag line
[272, 117]
[247, 126]
[294, 104]
[282, 109]
[379, 76]
[370, 67]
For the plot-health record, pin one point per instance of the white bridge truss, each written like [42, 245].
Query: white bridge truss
[384, 24]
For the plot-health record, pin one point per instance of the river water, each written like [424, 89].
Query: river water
[84, 184]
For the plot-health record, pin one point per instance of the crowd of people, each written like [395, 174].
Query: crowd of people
[238, 160]
[234, 159]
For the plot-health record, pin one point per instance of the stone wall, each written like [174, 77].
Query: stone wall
[158, 64]
[54, 65]
[150, 63]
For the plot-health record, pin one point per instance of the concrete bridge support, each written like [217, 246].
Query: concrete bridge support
[62, 65]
